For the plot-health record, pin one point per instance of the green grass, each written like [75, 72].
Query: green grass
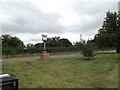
[66, 72]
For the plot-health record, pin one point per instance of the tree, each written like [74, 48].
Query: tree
[80, 44]
[38, 45]
[107, 36]
[118, 33]
[9, 41]
[64, 43]
[57, 42]
[53, 42]
[88, 51]
[87, 48]
[11, 45]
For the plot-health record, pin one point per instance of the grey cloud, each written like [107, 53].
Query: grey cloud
[25, 17]
[86, 26]
[95, 10]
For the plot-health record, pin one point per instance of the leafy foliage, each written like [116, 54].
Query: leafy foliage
[53, 42]
[64, 43]
[9, 41]
[107, 36]
[88, 50]
[57, 42]
[12, 45]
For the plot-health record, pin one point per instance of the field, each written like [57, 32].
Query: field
[66, 72]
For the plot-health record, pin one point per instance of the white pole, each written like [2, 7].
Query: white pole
[44, 46]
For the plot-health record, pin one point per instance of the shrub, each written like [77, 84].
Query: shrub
[88, 51]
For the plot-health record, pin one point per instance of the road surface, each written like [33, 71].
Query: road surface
[35, 57]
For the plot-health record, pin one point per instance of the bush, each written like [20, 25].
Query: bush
[88, 51]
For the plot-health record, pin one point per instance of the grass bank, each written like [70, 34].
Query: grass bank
[66, 72]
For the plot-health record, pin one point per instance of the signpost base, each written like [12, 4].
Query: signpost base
[44, 55]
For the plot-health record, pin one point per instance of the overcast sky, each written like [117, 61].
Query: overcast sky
[29, 19]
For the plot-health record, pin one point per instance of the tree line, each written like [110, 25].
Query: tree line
[107, 37]
[13, 45]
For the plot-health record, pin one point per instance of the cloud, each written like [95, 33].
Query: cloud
[65, 18]
[26, 18]
[91, 15]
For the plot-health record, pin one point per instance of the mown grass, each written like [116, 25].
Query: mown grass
[66, 72]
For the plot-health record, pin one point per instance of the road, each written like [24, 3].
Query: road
[35, 57]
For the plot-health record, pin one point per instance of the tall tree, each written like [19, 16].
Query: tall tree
[107, 36]
[9, 41]
[12, 45]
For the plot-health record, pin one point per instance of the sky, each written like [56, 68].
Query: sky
[29, 19]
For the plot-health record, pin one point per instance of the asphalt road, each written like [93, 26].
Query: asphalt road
[35, 57]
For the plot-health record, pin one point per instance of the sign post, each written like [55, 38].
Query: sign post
[44, 54]
[44, 38]
[44, 46]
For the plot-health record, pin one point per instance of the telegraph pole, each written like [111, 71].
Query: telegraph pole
[80, 37]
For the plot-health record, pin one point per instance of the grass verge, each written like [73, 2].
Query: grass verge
[66, 72]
